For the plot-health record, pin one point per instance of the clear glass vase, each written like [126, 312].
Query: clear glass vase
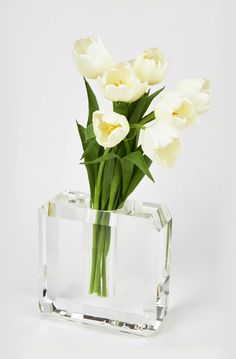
[105, 268]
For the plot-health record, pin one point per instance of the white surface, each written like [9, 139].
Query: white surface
[41, 95]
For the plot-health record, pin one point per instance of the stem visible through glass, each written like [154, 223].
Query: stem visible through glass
[100, 249]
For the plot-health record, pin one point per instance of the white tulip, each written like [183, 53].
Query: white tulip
[198, 91]
[120, 83]
[110, 127]
[91, 57]
[160, 142]
[151, 66]
[176, 108]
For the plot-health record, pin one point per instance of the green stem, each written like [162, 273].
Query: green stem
[127, 146]
[108, 240]
[98, 276]
[99, 182]
[96, 231]
[102, 233]
[104, 276]
[114, 187]
[148, 118]
[104, 255]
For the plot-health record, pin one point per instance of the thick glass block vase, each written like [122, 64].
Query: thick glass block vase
[105, 268]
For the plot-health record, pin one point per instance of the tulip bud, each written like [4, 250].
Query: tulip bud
[91, 57]
[151, 66]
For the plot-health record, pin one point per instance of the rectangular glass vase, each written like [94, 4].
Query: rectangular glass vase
[129, 263]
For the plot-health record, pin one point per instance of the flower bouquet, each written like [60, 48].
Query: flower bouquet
[121, 143]
[105, 259]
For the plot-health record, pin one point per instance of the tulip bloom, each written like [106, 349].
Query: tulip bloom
[198, 91]
[110, 128]
[120, 83]
[176, 108]
[160, 142]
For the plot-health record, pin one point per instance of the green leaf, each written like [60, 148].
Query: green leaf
[108, 176]
[121, 107]
[92, 150]
[114, 195]
[151, 98]
[89, 133]
[126, 146]
[89, 148]
[90, 170]
[138, 160]
[81, 131]
[127, 172]
[139, 109]
[106, 157]
[92, 102]
[137, 177]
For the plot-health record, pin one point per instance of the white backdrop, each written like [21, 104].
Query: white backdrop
[42, 95]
